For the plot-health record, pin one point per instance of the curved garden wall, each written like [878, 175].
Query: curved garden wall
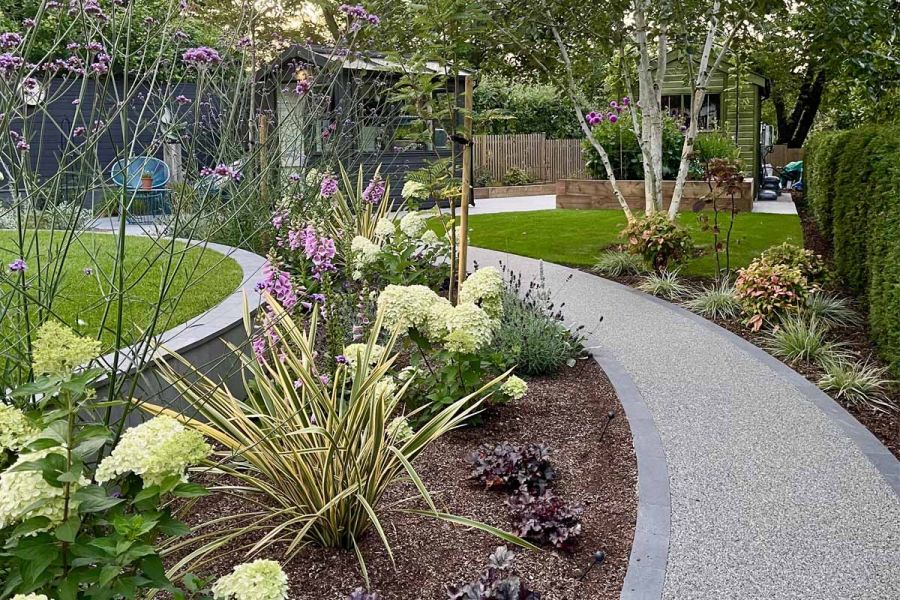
[202, 340]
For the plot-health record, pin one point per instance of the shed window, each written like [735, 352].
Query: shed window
[679, 106]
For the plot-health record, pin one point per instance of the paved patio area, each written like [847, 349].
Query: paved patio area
[753, 483]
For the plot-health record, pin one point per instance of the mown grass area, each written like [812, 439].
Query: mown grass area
[577, 237]
[87, 287]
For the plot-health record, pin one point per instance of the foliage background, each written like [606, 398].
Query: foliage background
[853, 180]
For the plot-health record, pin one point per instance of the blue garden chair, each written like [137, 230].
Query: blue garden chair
[144, 204]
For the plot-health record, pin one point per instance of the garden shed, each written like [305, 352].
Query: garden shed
[732, 104]
[352, 112]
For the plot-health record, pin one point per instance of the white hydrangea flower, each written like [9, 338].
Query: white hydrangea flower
[20, 490]
[514, 387]
[30, 597]
[414, 190]
[386, 386]
[400, 430]
[157, 449]
[407, 373]
[403, 307]
[385, 227]
[430, 238]
[353, 352]
[485, 288]
[413, 224]
[365, 251]
[257, 580]
[436, 320]
[15, 428]
[469, 329]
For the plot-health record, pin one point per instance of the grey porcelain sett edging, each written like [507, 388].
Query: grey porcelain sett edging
[646, 574]
[202, 339]
[871, 447]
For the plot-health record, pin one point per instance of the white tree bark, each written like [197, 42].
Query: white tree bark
[604, 156]
[697, 97]
[650, 118]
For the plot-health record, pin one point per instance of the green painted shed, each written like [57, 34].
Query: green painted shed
[732, 104]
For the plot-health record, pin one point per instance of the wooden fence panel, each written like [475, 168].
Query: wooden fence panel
[543, 159]
[782, 155]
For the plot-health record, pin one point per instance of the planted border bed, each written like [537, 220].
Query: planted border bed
[568, 412]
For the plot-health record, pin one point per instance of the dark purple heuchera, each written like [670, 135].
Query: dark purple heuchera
[546, 519]
[513, 467]
[361, 594]
[495, 583]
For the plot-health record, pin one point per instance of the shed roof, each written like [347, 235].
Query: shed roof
[360, 60]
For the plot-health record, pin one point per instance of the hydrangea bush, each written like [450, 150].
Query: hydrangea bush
[257, 580]
[70, 530]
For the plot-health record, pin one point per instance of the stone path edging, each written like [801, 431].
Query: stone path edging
[871, 446]
[773, 489]
[646, 572]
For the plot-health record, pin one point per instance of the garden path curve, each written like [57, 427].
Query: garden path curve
[752, 482]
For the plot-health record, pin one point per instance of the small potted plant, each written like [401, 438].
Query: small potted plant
[146, 180]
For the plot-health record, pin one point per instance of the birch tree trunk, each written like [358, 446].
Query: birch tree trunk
[648, 91]
[579, 114]
[697, 97]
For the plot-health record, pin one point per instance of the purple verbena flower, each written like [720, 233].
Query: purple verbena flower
[9, 40]
[201, 56]
[18, 266]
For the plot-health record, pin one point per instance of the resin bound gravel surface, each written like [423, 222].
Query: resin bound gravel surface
[776, 492]
[567, 412]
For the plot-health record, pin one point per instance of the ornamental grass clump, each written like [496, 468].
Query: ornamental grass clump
[768, 291]
[665, 285]
[859, 383]
[831, 309]
[658, 240]
[716, 302]
[798, 339]
[616, 263]
[320, 450]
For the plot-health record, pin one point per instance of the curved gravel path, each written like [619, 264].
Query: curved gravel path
[776, 492]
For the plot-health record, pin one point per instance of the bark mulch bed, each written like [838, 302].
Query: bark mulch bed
[565, 411]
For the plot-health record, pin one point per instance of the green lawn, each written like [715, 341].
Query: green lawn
[200, 279]
[576, 237]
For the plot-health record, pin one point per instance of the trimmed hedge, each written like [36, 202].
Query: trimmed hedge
[853, 183]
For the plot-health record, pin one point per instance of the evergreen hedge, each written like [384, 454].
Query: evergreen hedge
[853, 185]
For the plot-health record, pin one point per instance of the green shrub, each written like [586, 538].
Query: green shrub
[515, 108]
[853, 183]
[516, 176]
[806, 261]
[658, 240]
[615, 263]
[625, 153]
[766, 291]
